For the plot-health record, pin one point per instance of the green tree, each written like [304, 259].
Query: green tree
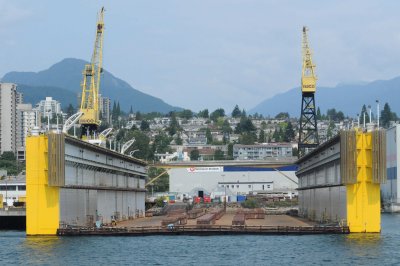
[331, 114]
[141, 146]
[194, 155]
[247, 138]
[70, 110]
[331, 127]
[281, 135]
[236, 112]
[216, 114]
[173, 126]
[118, 112]
[226, 127]
[230, 151]
[162, 182]
[261, 137]
[209, 136]
[219, 155]
[179, 140]
[295, 152]
[364, 111]
[319, 114]
[282, 115]
[289, 132]
[9, 163]
[114, 111]
[386, 116]
[245, 125]
[275, 136]
[187, 114]
[144, 125]
[8, 156]
[203, 114]
[138, 116]
[161, 144]
[263, 125]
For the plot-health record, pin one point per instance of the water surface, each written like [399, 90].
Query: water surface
[353, 249]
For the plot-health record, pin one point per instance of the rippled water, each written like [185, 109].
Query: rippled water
[354, 249]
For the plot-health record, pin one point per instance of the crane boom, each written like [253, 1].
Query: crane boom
[90, 119]
[308, 78]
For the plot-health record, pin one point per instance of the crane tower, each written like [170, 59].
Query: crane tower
[90, 120]
[308, 134]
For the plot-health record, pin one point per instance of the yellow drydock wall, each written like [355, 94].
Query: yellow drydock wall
[42, 201]
[363, 197]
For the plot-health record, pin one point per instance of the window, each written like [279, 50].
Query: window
[237, 186]
[222, 185]
[233, 186]
[249, 186]
[21, 188]
[9, 188]
[268, 186]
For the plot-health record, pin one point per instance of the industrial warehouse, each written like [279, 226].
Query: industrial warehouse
[232, 178]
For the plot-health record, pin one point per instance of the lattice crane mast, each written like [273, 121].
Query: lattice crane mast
[90, 120]
[308, 134]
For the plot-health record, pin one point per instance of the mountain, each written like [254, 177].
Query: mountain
[348, 98]
[62, 82]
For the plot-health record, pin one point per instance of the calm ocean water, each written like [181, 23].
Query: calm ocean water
[354, 249]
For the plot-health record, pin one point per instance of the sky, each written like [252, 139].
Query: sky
[200, 54]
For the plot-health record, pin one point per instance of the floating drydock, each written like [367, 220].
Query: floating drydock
[204, 231]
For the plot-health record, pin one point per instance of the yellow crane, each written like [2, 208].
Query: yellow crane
[308, 134]
[90, 120]
[308, 77]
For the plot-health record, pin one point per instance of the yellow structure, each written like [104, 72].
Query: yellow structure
[42, 200]
[363, 194]
[90, 119]
[22, 199]
[308, 77]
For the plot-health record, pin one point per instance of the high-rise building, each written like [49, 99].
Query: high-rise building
[8, 115]
[105, 107]
[27, 118]
[49, 107]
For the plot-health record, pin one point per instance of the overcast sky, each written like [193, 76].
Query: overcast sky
[208, 53]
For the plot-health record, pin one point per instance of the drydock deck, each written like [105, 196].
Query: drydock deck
[270, 225]
[204, 231]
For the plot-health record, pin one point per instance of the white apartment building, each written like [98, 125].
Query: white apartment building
[262, 151]
[8, 105]
[49, 107]
[27, 118]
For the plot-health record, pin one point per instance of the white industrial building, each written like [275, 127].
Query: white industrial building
[233, 177]
[389, 190]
